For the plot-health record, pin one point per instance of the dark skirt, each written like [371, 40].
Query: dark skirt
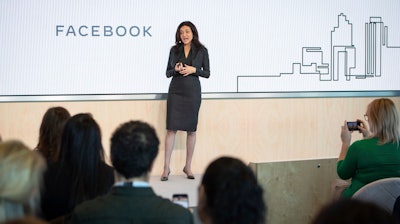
[183, 103]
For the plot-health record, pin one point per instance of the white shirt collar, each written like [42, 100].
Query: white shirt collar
[132, 184]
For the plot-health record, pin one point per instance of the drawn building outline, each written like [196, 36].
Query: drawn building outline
[342, 54]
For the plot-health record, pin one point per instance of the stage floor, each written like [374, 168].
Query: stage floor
[177, 184]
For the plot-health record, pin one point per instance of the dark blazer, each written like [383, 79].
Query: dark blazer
[200, 61]
[129, 204]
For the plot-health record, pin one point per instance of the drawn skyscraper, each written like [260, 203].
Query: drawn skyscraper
[343, 52]
[374, 33]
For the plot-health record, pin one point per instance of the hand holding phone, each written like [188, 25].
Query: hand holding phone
[353, 125]
[181, 199]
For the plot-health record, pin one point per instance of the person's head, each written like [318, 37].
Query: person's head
[50, 132]
[351, 211]
[187, 33]
[229, 193]
[21, 173]
[83, 156]
[134, 146]
[81, 141]
[383, 120]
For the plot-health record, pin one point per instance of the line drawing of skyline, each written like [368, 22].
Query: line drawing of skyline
[343, 54]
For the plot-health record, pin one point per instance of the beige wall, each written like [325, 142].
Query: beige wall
[255, 130]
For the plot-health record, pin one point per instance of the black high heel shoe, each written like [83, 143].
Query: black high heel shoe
[165, 178]
[188, 176]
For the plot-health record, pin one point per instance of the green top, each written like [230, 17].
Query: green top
[366, 161]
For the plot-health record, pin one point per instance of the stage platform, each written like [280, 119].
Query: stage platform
[177, 184]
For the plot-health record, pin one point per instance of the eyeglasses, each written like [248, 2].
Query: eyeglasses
[366, 117]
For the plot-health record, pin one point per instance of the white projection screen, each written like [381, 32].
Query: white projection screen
[111, 49]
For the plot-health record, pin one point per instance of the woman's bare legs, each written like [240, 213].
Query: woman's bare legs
[190, 143]
[169, 145]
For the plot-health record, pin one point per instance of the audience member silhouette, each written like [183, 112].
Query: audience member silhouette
[351, 211]
[50, 132]
[134, 146]
[21, 173]
[229, 193]
[81, 172]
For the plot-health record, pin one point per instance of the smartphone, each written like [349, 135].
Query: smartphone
[353, 125]
[181, 199]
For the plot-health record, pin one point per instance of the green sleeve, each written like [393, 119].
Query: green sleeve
[347, 167]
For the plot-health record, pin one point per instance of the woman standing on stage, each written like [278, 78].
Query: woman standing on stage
[188, 59]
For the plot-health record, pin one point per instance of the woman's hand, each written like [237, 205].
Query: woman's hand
[187, 70]
[345, 134]
[364, 128]
[178, 67]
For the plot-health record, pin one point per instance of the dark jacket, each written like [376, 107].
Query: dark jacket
[200, 60]
[131, 205]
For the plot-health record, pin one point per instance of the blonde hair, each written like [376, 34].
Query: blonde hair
[384, 121]
[21, 173]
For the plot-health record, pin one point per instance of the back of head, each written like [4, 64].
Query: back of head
[50, 132]
[383, 119]
[134, 146]
[21, 171]
[351, 211]
[231, 193]
[81, 141]
[82, 156]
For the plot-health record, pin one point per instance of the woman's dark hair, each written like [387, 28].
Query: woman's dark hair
[195, 40]
[351, 211]
[50, 132]
[232, 193]
[82, 154]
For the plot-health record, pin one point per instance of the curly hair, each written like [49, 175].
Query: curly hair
[134, 146]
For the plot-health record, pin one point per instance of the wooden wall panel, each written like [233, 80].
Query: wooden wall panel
[255, 130]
